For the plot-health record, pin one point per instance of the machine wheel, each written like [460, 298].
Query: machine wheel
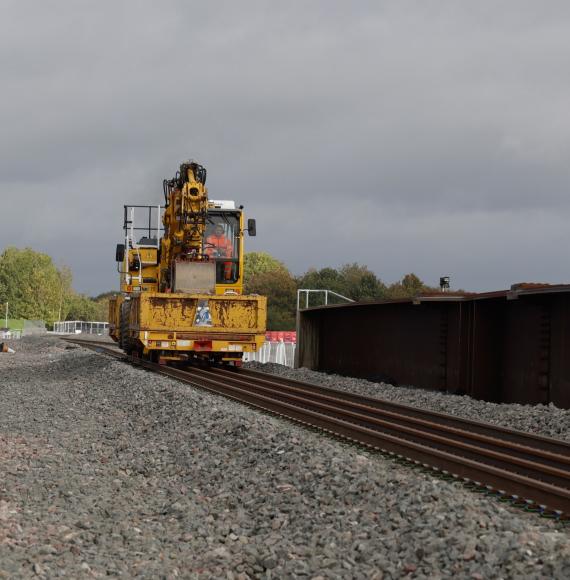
[124, 341]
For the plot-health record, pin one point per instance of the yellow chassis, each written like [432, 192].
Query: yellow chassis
[164, 325]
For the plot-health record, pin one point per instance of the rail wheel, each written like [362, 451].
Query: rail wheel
[124, 340]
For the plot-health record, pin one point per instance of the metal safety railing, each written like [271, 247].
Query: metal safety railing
[81, 327]
[307, 292]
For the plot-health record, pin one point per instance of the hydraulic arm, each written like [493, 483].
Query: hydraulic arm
[184, 220]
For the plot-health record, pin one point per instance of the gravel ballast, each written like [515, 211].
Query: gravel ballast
[108, 470]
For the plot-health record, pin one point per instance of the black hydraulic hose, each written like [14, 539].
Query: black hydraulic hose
[164, 189]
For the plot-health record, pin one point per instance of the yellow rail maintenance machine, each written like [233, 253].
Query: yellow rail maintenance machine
[181, 268]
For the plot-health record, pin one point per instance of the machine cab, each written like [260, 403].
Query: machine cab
[223, 244]
[139, 256]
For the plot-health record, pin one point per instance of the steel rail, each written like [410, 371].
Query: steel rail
[505, 468]
[525, 460]
[547, 451]
[555, 446]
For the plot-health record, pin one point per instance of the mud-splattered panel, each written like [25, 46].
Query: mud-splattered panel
[231, 313]
[167, 313]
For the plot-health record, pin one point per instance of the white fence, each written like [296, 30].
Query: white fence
[81, 327]
[10, 334]
[281, 353]
[30, 328]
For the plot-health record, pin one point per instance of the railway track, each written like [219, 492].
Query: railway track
[527, 470]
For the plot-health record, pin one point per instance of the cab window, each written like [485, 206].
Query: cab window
[221, 244]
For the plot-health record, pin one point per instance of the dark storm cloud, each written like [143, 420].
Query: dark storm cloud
[418, 136]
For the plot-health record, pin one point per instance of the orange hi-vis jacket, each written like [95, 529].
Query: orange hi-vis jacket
[224, 248]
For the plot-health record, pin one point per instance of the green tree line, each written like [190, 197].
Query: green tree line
[36, 289]
[269, 277]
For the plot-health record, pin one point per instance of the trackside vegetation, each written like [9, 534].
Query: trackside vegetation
[36, 289]
[266, 275]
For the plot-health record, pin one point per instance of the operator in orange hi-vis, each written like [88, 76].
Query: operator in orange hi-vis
[219, 246]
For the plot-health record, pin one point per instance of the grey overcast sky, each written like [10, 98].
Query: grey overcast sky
[427, 136]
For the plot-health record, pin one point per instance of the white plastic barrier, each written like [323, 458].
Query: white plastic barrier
[281, 353]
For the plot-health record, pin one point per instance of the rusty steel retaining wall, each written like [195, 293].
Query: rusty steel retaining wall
[509, 346]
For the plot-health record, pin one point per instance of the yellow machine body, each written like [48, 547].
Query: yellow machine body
[181, 289]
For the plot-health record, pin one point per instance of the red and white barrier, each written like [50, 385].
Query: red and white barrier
[281, 336]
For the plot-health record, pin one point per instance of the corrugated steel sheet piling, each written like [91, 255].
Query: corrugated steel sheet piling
[507, 346]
